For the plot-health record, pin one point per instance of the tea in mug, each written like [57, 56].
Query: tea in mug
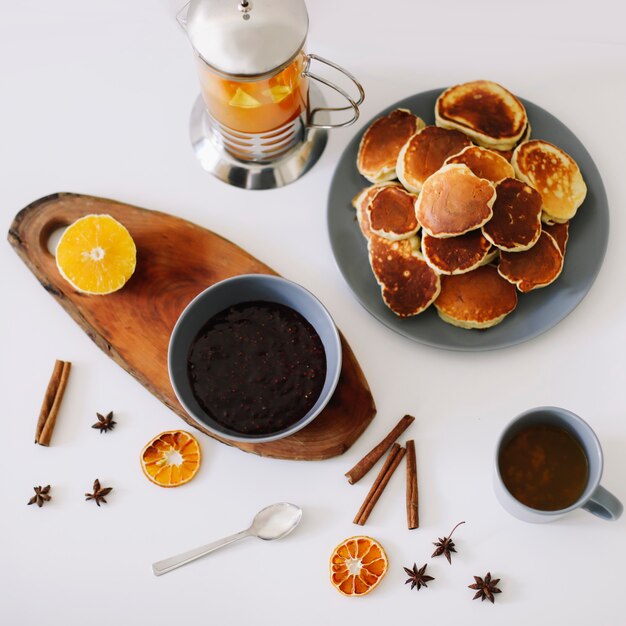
[544, 467]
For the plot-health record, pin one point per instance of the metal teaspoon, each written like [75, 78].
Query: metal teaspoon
[272, 522]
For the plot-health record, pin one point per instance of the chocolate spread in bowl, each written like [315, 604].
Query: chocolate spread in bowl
[257, 367]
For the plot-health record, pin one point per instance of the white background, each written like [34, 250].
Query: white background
[95, 98]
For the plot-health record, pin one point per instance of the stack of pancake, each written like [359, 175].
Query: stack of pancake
[465, 213]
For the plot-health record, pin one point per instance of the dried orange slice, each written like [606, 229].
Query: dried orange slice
[357, 565]
[171, 458]
[96, 255]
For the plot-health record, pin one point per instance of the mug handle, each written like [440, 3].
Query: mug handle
[353, 104]
[604, 505]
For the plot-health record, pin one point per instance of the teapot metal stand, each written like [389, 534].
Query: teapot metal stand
[208, 144]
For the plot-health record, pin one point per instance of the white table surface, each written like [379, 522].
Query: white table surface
[95, 98]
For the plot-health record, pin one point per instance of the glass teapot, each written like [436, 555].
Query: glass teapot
[255, 75]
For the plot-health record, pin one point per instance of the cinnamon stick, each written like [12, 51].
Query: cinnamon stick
[391, 463]
[48, 399]
[412, 493]
[384, 469]
[369, 460]
[52, 402]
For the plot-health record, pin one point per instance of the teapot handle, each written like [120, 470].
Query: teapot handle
[352, 104]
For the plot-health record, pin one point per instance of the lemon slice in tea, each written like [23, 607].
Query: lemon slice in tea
[243, 100]
[278, 93]
[96, 255]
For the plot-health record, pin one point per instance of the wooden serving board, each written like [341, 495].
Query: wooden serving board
[176, 260]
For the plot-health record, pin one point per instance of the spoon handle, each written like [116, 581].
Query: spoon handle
[167, 565]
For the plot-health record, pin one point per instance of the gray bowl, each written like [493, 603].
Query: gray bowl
[245, 288]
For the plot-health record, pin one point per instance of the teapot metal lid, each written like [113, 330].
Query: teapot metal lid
[246, 39]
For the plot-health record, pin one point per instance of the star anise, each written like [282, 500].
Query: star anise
[486, 587]
[98, 492]
[417, 577]
[445, 545]
[105, 423]
[42, 494]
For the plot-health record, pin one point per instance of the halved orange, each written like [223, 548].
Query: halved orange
[357, 565]
[96, 255]
[171, 459]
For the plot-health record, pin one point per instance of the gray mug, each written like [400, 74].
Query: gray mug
[595, 498]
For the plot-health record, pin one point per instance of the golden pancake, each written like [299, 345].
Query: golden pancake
[492, 116]
[360, 203]
[478, 299]
[516, 222]
[391, 213]
[453, 201]
[382, 142]
[484, 163]
[456, 255]
[560, 234]
[425, 153]
[407, 283]
[554, 174]
[535, 268]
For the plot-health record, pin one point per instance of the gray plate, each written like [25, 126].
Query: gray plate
[538, 310]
